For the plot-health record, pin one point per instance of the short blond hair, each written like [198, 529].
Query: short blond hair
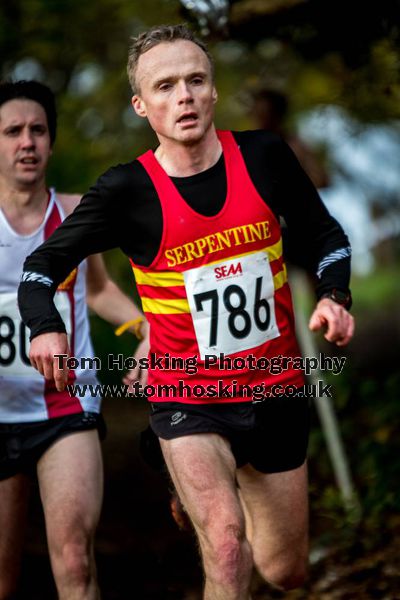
[154, 36]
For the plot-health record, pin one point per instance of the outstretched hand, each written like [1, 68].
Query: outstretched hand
[43, 351]
[338, 321]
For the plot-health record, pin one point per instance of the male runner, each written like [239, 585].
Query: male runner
[42, 429]
[199, 220]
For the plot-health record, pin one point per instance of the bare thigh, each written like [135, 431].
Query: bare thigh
[70, 475]
[14, 498]
[276, 507]
[203, 471]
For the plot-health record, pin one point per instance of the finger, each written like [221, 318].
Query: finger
[337, 320]
[60, 375]
[348, 333]
[315, 322]
[144, 374]
[335, 333]
[60, 380]
[131, 376]
[35, 363]
[335, 330]
[47, 368]
[342, 331]
[40, 367]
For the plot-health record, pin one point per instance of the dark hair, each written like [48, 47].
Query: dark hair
[156, 35]
[36, 91]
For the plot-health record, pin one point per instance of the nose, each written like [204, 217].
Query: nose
[184, 93]
[27, 139]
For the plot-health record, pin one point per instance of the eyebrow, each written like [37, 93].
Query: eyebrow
[22, 124]
[9, 126]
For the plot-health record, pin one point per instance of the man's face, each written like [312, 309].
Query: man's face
[24, 143]
[176, 91]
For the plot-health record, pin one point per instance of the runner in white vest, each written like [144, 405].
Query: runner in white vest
[16, 371]
[43, 430]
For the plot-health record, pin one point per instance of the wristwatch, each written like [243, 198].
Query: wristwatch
[340, 297]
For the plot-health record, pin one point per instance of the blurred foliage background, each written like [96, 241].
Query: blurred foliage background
[338, 65]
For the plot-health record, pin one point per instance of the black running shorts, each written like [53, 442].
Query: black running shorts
[271, 435]
[22, 444]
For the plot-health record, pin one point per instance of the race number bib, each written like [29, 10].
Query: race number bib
[14, 335]
[232, 304]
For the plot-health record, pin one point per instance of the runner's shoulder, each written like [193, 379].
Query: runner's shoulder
[262, 150]
[122, 179]
[68, 202]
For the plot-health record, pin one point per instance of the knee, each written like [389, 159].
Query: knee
[76, 558]
[283, 573]
[228, 549]
[228, 556]
[73, 563]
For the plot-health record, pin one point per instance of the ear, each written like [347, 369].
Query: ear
[139, 106]
[214, 95]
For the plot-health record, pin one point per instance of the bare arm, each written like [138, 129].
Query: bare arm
[104, 296]
[110, 303]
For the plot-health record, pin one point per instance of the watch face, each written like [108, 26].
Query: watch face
[340, 297]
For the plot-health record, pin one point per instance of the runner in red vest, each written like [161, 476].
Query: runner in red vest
[199, 219]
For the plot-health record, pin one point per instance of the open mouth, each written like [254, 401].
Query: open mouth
[188, 118]
[28, 160]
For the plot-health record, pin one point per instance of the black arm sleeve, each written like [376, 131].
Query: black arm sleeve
[316, 240]
[88, 230]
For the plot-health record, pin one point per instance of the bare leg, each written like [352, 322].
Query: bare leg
[276, 507]
[14, 498]
[71, 486]
[203, 471]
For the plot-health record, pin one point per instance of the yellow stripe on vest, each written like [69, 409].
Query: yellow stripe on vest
[280, 278]
[165, 307]
[160, 306]
[159, 279]
[172, 278]
[274, 252]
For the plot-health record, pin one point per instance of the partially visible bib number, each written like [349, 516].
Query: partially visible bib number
[14, 335]
[232, 304]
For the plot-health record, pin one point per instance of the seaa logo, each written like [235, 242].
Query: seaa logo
[228, 270]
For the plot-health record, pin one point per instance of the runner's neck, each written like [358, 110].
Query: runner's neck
[24, 209]
[181, 160]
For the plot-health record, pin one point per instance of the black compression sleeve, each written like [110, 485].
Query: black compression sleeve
[314, 235]
[38, 310]
[88, 230]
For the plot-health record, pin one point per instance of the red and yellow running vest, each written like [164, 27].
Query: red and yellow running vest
[216, 295]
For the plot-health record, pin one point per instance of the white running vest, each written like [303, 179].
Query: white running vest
[25, 395]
